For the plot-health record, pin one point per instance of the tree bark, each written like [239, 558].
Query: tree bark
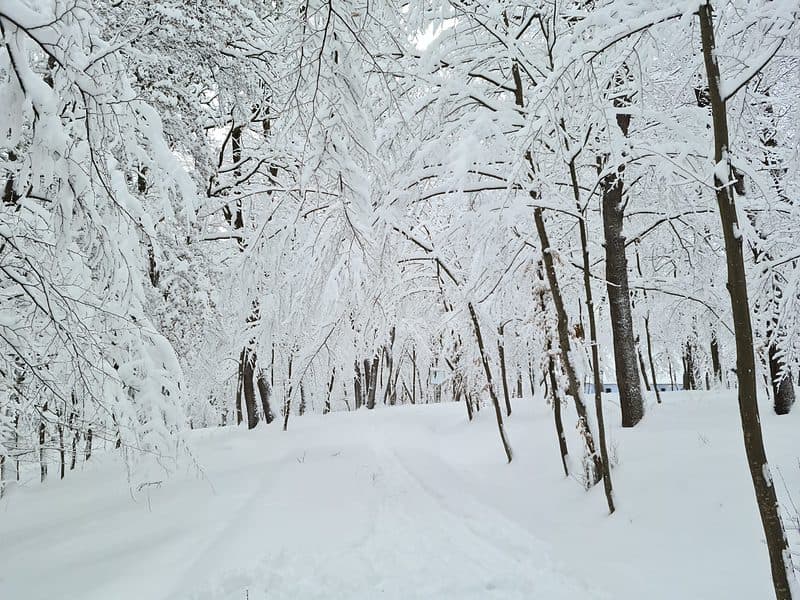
[287, 401]
[782, 388]
[42, 459]
[619, 302]
[88, 447]
[594, 461]
[248, 387]
[264, 392]
[716, 365]
[556, 400]
[327, 408]
[488, 372]
[650, 358]
[766, 498]
[595, 351]
[619, 298]
[502, 354]
[373, 383]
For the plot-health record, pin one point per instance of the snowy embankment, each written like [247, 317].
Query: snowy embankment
[411, 502]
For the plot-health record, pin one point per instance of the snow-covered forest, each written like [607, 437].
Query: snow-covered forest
[568, 233]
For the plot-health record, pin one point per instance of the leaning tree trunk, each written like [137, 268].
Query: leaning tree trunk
[556, 400]
[766, 498]
[488, 371]
[594, 464]
[619, 298]
[501, 351]
[587, 289]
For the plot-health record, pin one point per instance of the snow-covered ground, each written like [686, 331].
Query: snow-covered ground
[411, 502]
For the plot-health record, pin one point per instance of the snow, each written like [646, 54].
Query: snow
[410, 502]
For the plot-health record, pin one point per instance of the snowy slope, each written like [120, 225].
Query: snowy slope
[409, 502]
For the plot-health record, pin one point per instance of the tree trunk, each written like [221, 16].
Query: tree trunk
[556, 400]
[62, 451]
[357, 386]
[782, 388]
[689, 370]
[593, 460]
[715, 362]
[642, 367]
[240, 388]
[327, 408]
[650, 358]
[373, 383]
[42, 459]
[302, 408]
[587, 289]
[488, 371]
[502, 354]
[414, 375]
[287, 401]
[619, 298]
[619, 302]
[264, 392]
[777, 545]
[249, 388]
[88, 447]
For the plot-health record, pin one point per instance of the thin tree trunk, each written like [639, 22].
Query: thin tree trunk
[42, 460]
[390, 366]
[777, 545]
[414, 375]
[715, 362]
[671, 373]
[357, 386]
[488, 371]
[587, 289]
[642, 367]
[650, 358]
[62, 451]
[689, 371]
[287, 401]
[502, 354]
[240, 388]
[87, 451]
[556, 399]
[594, 464]
[327, 408]
[302, 408]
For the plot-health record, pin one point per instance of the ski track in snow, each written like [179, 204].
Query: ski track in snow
[412, 540]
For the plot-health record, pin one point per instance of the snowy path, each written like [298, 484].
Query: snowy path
[346, 512]
[409, 503]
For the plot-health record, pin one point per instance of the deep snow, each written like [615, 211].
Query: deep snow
[410, 502]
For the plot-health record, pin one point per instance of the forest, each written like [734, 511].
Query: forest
[572, 227]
